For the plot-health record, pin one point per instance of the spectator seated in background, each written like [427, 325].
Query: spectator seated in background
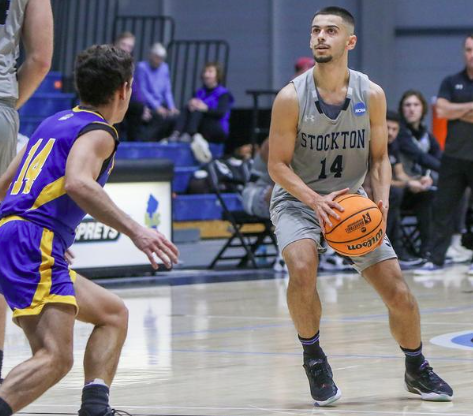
[420, 156]
[417, 191]
[419, 149]
[303, 64]
[206, 117]
[137, 114]
[257, 197]
[257, 192]
[125, 41]
[152, 88]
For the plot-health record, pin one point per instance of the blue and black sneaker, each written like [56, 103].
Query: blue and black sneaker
[428, 385]
[108, 412]
[322, 387]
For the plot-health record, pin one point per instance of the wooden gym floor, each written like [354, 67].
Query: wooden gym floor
[229, 348]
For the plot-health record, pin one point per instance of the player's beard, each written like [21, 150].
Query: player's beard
[322, 59]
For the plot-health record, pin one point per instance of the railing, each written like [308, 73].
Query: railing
[81, 23]
[186, 59]
[147, 30]
[258, 131]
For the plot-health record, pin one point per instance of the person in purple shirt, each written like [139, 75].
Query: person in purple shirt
[207, 116]
[45, 193]
[153, 89]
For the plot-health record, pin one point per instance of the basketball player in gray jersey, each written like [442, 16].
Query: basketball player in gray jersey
[326, 125]
[32, 22]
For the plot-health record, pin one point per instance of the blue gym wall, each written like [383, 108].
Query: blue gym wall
[402, 44]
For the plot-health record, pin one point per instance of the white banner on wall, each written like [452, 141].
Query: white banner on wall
[97, 245]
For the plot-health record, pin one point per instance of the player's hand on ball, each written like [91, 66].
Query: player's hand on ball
[325, 205]
[151, 241]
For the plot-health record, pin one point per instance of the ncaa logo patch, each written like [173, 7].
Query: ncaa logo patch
[460, 340]
[359, 109]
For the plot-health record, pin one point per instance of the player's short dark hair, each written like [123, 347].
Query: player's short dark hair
[337, 11]
[469, 36]
[415, 93]
[392, 115]
[100, 71]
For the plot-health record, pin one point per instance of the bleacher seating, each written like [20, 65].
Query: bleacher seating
[198, 207]
[52, 83]
[185, 207]
[49, 99]
[203, 207]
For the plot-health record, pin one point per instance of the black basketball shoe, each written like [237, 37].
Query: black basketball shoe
[108, 412]
[428, 385]
[322, 387]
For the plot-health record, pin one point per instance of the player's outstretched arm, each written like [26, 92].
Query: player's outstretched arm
[282, 140]
[7, 178]
[83, 167]
[37, 37]
[380, 170]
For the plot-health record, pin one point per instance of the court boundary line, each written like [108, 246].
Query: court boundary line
[332, 409]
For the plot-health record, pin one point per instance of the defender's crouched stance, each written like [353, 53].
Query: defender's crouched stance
[45, 194]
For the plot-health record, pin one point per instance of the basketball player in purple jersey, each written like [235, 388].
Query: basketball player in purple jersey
[326, 126]
[32, 21]
[45, 193]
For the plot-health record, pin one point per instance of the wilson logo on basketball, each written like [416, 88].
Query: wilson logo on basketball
[368, 243]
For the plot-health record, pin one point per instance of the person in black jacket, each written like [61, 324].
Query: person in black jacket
[420, 151]
[420, 156]
[455, 103]
[401, 183]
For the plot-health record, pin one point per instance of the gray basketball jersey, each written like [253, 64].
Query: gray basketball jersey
[11, 21]
[330, 155]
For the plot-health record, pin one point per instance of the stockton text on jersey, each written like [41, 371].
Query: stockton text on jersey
[354, 139]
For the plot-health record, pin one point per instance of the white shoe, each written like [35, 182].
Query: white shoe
[470, 270]
[429, 269]
[200, 148]
[280, 265]
[333, 263]
[464, 250]
[457, 244]
[457, 254]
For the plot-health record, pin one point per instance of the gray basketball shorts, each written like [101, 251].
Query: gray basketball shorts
[295, 221]
[9, 124]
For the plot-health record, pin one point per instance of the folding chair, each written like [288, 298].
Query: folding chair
[410, 235]
[225, 176]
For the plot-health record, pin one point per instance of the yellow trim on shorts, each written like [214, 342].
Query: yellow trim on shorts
[67, 300]
[50, 192]
[73, 275]
[6, 220]
[42, 295]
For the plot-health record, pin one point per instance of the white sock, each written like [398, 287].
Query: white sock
[97, 381]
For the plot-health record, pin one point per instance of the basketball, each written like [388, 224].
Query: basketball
[360, 228]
